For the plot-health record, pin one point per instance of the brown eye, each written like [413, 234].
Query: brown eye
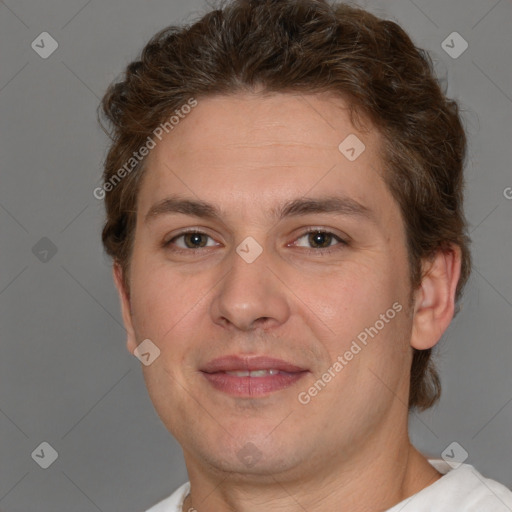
[190, 240]
[194, 240]
[320, 239]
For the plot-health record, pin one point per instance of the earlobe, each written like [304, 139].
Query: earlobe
[131, 341]
[434, 304]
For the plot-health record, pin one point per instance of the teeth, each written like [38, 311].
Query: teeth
[254, 373]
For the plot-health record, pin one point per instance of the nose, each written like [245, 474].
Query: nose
[250, 296]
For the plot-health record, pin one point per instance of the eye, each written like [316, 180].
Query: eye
[320, 239]
[190, 240]
[314, 240]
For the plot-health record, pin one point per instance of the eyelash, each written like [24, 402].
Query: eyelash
[319, 251]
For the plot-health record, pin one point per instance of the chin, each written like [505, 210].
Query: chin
[266, 466]
[249, 453]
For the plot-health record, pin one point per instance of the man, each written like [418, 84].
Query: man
[284, 211]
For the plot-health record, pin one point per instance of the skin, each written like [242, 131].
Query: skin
[348, 448]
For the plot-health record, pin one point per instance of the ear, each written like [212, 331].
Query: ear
[434, 303]
[131, 340]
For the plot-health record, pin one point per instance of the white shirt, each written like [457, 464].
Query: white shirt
[462, 489]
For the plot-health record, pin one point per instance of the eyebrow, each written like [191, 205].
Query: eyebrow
[294, 208]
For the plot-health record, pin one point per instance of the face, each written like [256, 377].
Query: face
[300, 256]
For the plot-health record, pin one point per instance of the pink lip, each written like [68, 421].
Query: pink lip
[215, 370]
[250, 363]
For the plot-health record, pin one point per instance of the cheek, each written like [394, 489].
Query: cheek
[366, 303]
[352, 295]
[159, 298]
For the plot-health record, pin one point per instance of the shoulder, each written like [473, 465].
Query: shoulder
[174, 502]
[463, 489]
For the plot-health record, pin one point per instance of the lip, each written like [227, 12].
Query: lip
[249, 363]
[251, 387]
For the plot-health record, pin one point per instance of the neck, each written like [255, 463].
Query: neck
[374, 484]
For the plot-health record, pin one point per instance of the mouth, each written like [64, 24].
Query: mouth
[255, 376]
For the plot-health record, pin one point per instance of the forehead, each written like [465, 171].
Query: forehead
[230, 149]
[265, 127]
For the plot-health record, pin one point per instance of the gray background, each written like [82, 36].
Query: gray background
[66, 376]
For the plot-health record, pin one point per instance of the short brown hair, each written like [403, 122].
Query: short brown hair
[306, 46]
